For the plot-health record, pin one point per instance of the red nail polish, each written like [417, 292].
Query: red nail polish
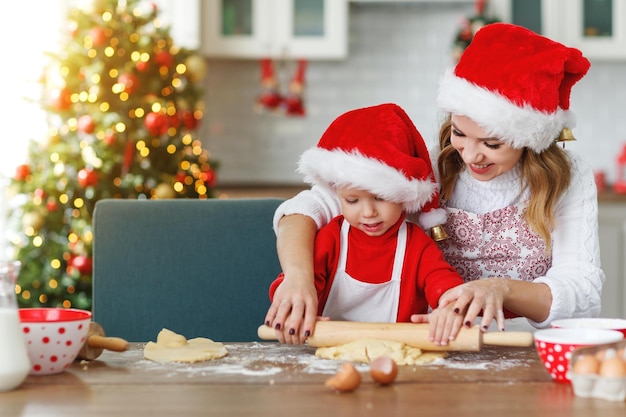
[307, 333]
[292, 332]
[277, 326]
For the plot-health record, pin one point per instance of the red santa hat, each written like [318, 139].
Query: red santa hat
[377, 149]
[515, 84]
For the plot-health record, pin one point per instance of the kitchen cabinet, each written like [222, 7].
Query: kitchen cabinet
[612, 231]
[596, 27]
[311, 29]
[182, 17]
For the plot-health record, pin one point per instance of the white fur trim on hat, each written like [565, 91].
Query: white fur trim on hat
[432, 218]
[517, 126]
[336, 167]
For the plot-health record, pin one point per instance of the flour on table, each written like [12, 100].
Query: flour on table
[172, 347]
[365, 350]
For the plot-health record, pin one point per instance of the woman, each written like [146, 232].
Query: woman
[522, 212]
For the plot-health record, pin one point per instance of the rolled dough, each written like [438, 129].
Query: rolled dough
[172, 347]
[365, 350]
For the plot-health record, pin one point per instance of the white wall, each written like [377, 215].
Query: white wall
[396, 54]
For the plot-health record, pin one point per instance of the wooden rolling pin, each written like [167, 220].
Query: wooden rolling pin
[334, 333]
[97, 341]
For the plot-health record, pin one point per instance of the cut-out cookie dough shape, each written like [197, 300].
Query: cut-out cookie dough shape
[172, 347]
[366, 350]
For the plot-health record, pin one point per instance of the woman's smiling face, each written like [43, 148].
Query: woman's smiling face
[485, 156]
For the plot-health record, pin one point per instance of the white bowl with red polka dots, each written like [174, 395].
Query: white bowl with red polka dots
[555, 346]
[54, 336]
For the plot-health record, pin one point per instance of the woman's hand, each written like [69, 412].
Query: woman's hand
[486, 295]
[293, 311]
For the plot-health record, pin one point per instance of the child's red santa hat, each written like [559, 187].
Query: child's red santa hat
[515, 84]
[377, 149]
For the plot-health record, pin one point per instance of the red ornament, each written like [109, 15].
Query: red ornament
[189, 119]
[51, 204]
[142, 66]
[82, 264]
[173, 121]
[129, 81]
[61, 99]
[164, 59]
[22, 172]
[87, 177]
[86, 124]
[156, 123]
[209, 177]
[110, 139]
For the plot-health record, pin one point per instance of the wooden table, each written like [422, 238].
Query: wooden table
[267, 379]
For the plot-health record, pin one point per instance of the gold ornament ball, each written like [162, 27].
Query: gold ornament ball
[196, 67]
[33, 219]
[163, 191]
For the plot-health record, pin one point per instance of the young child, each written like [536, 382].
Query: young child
[371, 264]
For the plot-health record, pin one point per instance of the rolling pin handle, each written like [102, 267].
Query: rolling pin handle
[518, 339]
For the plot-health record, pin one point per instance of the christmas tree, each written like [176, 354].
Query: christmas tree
[123, 105]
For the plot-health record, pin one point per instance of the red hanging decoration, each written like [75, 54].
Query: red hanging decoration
[293, 103]
[620, 182]
[469, 26]
[269, 98]
[480, 6]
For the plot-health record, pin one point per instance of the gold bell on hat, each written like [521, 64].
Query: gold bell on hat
[566, 135]
[438, 233]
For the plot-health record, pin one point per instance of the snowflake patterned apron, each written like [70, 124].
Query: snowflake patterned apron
[354, 300]
[495, 244]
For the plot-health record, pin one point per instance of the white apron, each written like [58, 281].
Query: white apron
[353, 300]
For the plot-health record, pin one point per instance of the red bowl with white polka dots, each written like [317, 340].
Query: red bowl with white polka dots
[555, 346]
[54, 336]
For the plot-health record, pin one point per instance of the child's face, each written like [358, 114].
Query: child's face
[367, 212]
[485, 157]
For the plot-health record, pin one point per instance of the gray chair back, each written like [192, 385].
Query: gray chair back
[200, 268]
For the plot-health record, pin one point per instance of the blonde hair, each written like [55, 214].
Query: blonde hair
[547, 175]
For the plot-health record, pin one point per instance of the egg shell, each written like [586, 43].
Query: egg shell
[586, 365]
[383, 370]
[347, 379]
[613, 367]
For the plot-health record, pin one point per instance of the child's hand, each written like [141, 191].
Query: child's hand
[444, 324]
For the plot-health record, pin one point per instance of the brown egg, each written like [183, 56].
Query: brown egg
[586, 364]
[346, 380]
[612, 366]
[383, 370]
[600, 354]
